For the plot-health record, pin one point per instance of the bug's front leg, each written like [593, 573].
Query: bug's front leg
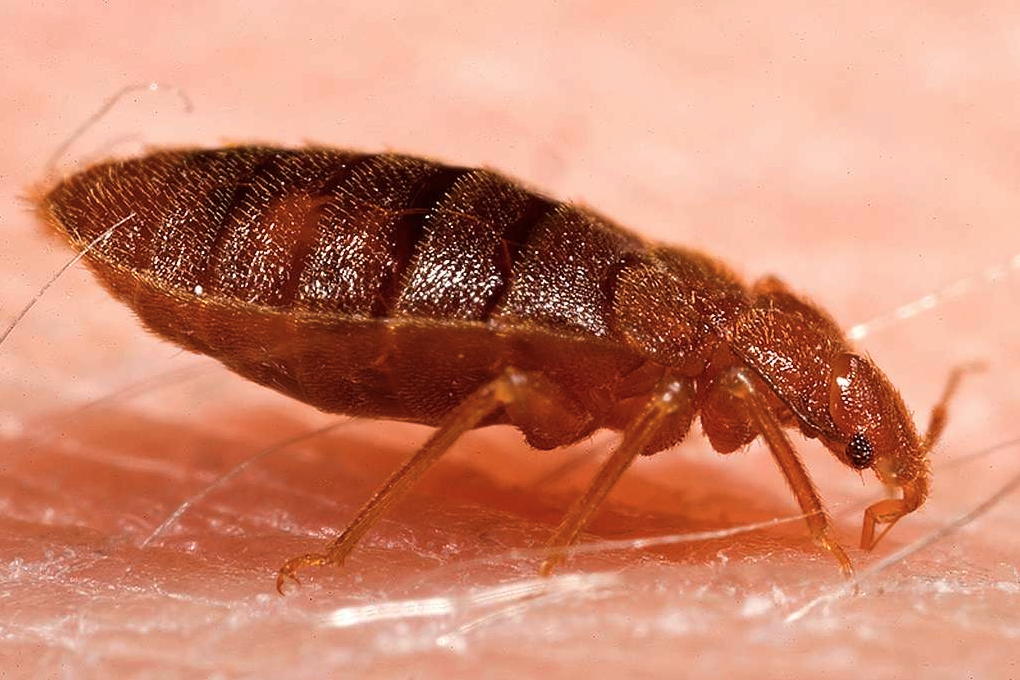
[740, 383]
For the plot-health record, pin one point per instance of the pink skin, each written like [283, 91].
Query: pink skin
[867, 157]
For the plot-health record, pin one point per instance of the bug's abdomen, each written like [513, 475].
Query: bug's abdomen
[361, 235]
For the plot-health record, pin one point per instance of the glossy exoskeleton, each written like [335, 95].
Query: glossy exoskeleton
[387, 286]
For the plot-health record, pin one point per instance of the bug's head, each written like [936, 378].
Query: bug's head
[874, 430]
[873, 427]
[838, 396]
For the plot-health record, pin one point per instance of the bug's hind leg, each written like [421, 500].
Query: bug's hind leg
[673, 399]
[546, 414]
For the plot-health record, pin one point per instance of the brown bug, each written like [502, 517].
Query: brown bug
[387, 286]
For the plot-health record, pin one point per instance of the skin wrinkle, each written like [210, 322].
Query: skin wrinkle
[865, 180]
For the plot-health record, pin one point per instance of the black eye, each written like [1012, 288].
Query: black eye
[859, 451]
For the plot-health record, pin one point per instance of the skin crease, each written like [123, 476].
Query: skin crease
[867, 157]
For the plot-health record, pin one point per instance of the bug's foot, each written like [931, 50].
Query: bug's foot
[830, 544]
[554, 560]
[288, 572]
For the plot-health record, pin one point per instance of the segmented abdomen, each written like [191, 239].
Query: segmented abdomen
[354, 234]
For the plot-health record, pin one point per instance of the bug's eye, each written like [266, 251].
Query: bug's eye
[859, 452]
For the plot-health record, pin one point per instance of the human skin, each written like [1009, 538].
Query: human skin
[867, 157]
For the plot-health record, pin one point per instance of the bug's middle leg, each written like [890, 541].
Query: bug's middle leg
[672, 400]
[532, 403]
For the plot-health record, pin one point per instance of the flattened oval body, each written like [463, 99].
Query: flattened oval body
[389, 286]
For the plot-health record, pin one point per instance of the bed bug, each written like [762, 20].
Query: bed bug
[394, 287]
